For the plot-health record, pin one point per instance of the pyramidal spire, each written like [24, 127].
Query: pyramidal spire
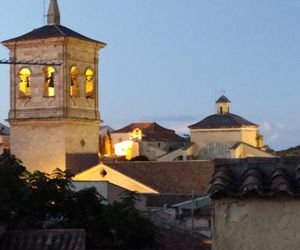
[53, 16]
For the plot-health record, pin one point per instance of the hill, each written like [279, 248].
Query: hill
[292, 151]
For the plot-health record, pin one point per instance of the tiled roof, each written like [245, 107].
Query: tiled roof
[164, 137]
[79, 162]
[180, 177]
[4, 130]
[171, 239]
[55, 239]
[263, 177]
[51, 31]
[223, 99]
[227, 120]
[145, 127]
[152, 132]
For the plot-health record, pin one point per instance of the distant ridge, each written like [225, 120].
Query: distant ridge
[292, 151]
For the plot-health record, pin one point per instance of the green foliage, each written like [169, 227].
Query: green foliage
[13, 189]
[39, 200]
[130, 229]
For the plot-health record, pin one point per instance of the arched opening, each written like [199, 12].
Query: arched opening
[89, 83]
[74, 86]
[49, 82]
[24, 85]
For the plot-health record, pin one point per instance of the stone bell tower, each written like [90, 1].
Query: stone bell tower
[54, 115]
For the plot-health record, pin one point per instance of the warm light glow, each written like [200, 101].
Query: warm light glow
[137, 134]
[124, 148]
[105, 173]
[49, 81]
[89, 83]
[74, 86]
[24, 85]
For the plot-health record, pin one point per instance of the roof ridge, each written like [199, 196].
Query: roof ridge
[56, 26]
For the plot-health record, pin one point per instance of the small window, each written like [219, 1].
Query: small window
[24, 85]
[221, 110]
[49, 81]
[74, 86]
[89, 83]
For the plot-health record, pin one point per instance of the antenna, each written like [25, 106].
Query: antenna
[44, 14]
[50, 63]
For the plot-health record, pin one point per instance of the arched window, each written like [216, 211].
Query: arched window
[24, 85]
[89, 83]
[74, 86]
[49, 81]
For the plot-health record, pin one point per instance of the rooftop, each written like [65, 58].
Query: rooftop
[227, 120]
[4, 130]
[51, 31]
[223, 99]
[182, 177]
[261, 177]
[152, 132]
[54, 239]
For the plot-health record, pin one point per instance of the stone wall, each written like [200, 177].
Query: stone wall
[244, 150]
[256, 224]
[46, 128]
[225, 136]
[43, 144]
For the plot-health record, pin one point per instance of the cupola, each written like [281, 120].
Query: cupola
[223, 105]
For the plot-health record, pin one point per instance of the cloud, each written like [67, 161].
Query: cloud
[281, 135]
[266, 126]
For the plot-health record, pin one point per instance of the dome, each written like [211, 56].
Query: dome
[227, 120]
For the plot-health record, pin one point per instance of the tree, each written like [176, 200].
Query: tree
[13, 189]
[39, 200]
[130, 229]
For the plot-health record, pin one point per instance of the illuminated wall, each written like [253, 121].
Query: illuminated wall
[24, 86]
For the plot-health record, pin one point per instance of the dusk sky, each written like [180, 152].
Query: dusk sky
[169, 60]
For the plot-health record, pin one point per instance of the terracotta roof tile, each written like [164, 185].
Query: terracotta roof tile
[54, 239]
[263, 177]
[78, 162]
[169, 177]
[171, 239]
[145, 127]
[152, 132]
[164, 137]
[4, 130]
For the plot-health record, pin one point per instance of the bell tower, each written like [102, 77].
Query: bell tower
[54, 115]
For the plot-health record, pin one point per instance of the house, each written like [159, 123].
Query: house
[255, 204]
[4, 138]
[145, 138]
[170, 192]
[159, 183]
